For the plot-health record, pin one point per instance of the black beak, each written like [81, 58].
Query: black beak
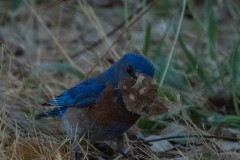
[133, 75]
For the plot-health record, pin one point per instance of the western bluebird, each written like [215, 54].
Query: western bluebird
[96, 108]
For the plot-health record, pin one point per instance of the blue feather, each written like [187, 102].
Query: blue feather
[83, 94]
[58, 111]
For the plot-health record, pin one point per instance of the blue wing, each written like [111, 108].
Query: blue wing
[84, 94]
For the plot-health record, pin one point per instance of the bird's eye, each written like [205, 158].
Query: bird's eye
[129, 69]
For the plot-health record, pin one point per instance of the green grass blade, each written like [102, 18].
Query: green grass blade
[172, 79]
[147, 39]
[158, 50]
[234, 62]
[212, 31]
[193, 62]
[224, 120]
[174, 42]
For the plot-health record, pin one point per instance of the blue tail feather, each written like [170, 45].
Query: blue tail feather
[58, 111]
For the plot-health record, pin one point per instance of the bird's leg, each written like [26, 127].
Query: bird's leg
[121, 147]
[75, 148]
[120, 143]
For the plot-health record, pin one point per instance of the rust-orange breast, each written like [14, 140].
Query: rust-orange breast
[108, 110]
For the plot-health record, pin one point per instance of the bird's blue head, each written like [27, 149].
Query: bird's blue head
[128, 65]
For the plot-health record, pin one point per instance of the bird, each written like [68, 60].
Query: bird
[95, 108]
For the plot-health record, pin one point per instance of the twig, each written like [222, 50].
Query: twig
[190, 136]
[131, 22]
[112, 32]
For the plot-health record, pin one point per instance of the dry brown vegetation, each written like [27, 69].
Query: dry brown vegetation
[48, 46]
